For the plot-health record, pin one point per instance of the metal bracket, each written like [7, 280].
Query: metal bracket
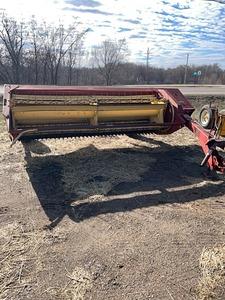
[21, 134]
[218, 162]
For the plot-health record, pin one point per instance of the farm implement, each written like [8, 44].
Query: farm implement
[35, 112]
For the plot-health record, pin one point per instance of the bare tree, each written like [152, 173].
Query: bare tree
[107, 57]
[5, 74]
[73, 62]
[58, 42]
[36, 53]
[12, 37]
[36, 40]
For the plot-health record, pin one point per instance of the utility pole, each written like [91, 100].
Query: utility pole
[147, 65]
[186, 67]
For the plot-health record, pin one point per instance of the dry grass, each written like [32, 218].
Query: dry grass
[18, 258]
[77, 285]
[4, 137]
[22, 252]
[103, 170]
[212, 265]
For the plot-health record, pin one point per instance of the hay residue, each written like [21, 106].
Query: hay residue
[91, 171]
[212, 266]
[22, 250]
[79, 283]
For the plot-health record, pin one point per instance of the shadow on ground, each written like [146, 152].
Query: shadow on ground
[174, 176]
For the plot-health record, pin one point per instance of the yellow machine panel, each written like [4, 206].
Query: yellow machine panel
[221, 124]
[91, 111]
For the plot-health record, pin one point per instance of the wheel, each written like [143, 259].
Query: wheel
[207, 117]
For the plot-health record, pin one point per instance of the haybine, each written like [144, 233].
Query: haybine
[34, 112]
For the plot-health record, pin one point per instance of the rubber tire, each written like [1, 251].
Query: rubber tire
[211, 121]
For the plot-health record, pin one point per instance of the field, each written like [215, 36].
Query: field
[110, 218]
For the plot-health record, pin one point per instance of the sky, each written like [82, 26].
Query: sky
[169, 28]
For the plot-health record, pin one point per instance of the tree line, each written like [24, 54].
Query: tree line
[40, 53]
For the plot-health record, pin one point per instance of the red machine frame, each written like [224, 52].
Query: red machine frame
[176, 116]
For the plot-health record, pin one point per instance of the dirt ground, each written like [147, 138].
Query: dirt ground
[110, 218]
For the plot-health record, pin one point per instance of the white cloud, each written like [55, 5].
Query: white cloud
[170, 28]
